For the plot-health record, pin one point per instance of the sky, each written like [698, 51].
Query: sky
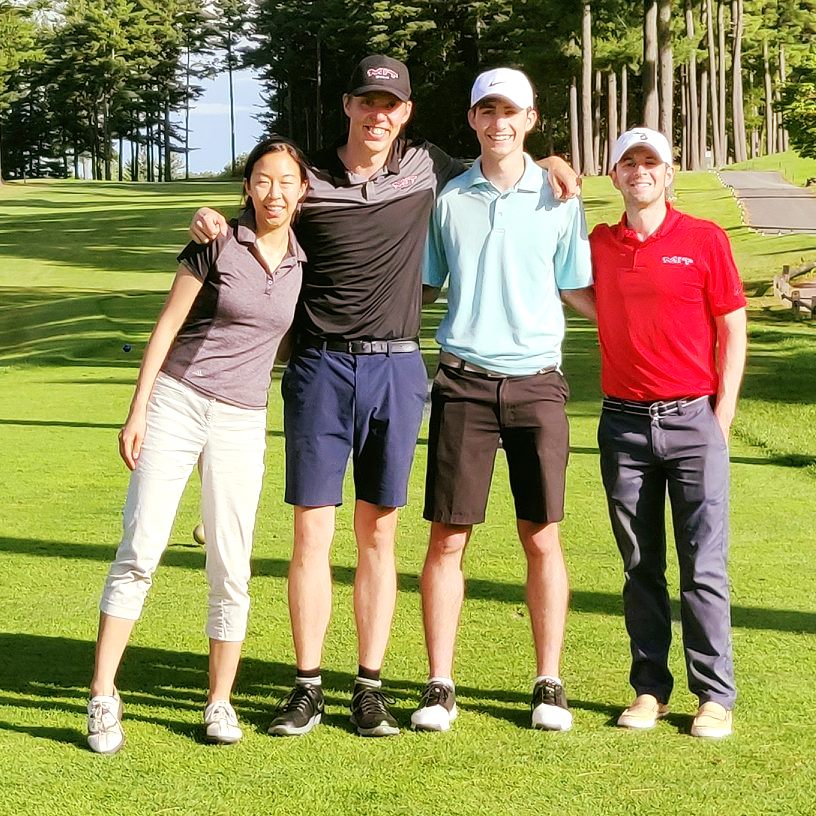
[209, 121]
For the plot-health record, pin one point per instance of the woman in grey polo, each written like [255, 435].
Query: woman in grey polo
[201, 397]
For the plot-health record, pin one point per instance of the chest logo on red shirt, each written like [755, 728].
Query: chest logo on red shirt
[677, 260]
[404, 183]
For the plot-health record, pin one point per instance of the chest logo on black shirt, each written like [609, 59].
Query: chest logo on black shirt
[404, 183]
[677, 260]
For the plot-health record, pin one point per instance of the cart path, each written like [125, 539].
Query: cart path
[770, 204]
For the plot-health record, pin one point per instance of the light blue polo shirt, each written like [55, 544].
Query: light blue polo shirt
[507, 256]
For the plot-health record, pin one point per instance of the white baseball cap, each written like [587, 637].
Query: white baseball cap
[643, 137]
[507, 83]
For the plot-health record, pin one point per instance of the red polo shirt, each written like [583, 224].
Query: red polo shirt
[657, 302]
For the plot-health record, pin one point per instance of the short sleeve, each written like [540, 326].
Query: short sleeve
[724, 292]
[435, 267]
[200, 258]
[572, 262]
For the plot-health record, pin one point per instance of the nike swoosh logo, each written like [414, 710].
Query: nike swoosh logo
[498, 82]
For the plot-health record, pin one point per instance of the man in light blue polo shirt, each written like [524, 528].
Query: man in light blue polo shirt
[510, 253]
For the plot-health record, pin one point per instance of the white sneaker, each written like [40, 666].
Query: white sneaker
[437, 708]
[222, 723]
[105, 734]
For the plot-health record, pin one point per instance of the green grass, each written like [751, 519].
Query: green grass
[83, 269]
[793, 167]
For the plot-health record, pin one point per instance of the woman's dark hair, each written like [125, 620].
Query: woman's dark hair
[271, 144]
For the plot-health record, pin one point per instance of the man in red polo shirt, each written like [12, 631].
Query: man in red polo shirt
[671, 322]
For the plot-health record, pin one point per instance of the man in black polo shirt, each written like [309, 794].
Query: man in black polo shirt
[356, 383]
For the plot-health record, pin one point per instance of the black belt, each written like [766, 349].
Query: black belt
[449, 360]
[651, 409]
[361, 346]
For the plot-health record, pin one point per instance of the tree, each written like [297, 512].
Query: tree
[17, 48]
[799, 107]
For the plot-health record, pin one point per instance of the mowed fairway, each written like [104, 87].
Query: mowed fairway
[83, 269]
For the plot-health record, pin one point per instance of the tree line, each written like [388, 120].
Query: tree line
[112, 79]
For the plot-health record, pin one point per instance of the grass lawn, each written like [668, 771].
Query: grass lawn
[83, 269]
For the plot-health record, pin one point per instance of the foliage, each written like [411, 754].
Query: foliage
[799, 107]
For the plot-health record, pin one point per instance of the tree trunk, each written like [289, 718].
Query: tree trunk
[168, 153]
[703, 138]
[596, 119]
[231, 103]
[684, 129]
[721, 78]
[187, 116]
[624, 96]
[575, 136]
[588, 165]
[783, 78]
[692, 108]
[712, 85]
[611, 115]
[318, 98]
[770, 131]
[737, 97]
[651, 102]
[666, 69]
[121, 168]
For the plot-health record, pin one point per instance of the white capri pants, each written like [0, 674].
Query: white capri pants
[184, 427]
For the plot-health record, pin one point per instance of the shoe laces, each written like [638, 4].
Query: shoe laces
[102, 718]
[546, 692]
[436, 694]
[222, 710]
[371, 701]
[302, 698]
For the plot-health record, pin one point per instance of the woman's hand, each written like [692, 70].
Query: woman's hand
[131, 438]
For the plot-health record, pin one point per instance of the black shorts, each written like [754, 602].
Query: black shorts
[470, 413]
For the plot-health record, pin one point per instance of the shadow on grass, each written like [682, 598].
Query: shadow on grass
[51, 674]
[583, 601]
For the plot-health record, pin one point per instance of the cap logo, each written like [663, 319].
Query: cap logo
[382, 73]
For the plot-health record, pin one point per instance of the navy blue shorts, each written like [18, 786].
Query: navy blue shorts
[335, 405]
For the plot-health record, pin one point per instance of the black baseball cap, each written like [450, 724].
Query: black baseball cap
[379, 73]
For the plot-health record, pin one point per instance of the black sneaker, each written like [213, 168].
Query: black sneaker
[370, 714]
[550, 709]
[299, 712]
[437, 708]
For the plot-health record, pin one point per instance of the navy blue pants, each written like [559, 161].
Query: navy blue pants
[367, 406]
[642, 458]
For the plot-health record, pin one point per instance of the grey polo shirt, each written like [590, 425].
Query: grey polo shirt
[365, 240]
[227, 345]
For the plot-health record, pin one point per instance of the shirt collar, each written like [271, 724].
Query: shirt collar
[245, 234]
[530, 181]
[624, 232]
[392, 165]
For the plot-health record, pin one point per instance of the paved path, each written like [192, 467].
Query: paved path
[772, 205]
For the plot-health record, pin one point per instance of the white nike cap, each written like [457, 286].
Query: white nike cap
[507, 83]
[642, 137]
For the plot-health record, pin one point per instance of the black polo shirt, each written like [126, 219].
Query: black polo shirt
[365, 241]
